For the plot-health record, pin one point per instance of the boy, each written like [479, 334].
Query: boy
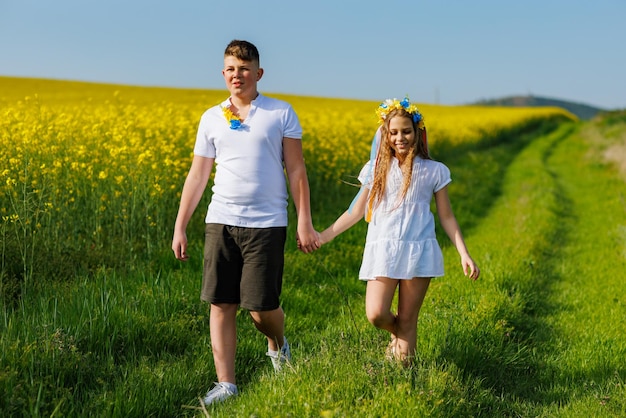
[249, 137]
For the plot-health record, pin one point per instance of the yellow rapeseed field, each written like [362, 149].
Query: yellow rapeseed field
[104, 164]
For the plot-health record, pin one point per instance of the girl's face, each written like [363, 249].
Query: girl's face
[241, 76]
[401, 135]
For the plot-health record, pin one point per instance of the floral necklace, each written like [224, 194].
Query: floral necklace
[233, 120]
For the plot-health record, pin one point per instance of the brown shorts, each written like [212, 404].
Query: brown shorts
[243, 266]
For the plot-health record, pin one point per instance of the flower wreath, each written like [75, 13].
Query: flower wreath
[383, 110]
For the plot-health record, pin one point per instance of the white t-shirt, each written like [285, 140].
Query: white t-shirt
[250, 188]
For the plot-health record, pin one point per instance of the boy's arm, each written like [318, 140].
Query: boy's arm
[451, 226]
[348, 219]
[306, 235]
[196, 182]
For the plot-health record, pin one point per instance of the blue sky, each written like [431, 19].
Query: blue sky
[436, 51]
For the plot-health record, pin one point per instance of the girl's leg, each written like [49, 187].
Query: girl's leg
[411, 295]
[378, 298]
[223, 328]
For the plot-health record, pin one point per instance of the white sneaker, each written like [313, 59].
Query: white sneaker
[279, 358]
[220, 392]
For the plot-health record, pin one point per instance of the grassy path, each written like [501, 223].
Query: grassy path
[554, 246]
[586, 366]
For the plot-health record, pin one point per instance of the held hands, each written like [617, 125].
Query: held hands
[322, 238]
[308, 241]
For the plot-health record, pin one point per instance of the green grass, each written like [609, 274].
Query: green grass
[540, 334]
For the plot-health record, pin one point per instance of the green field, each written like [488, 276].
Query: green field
[541, 334]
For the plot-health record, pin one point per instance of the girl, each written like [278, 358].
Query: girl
[401, 249]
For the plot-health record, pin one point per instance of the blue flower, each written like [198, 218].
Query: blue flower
[235, 123]
[417, 117]
[405, 103]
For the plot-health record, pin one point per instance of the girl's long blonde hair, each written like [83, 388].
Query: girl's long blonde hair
[384, 159]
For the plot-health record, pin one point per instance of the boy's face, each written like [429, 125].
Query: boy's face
[401, 135]
[241, 77]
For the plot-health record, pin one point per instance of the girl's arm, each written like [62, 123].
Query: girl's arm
[346, 220]
[451, 226]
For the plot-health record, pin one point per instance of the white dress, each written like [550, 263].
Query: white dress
[401, 241]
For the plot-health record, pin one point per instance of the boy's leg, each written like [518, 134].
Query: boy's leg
[410, 298]
[261, 282]
[272, 325]
[223, 331]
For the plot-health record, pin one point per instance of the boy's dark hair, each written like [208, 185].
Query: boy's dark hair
[242, 50]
